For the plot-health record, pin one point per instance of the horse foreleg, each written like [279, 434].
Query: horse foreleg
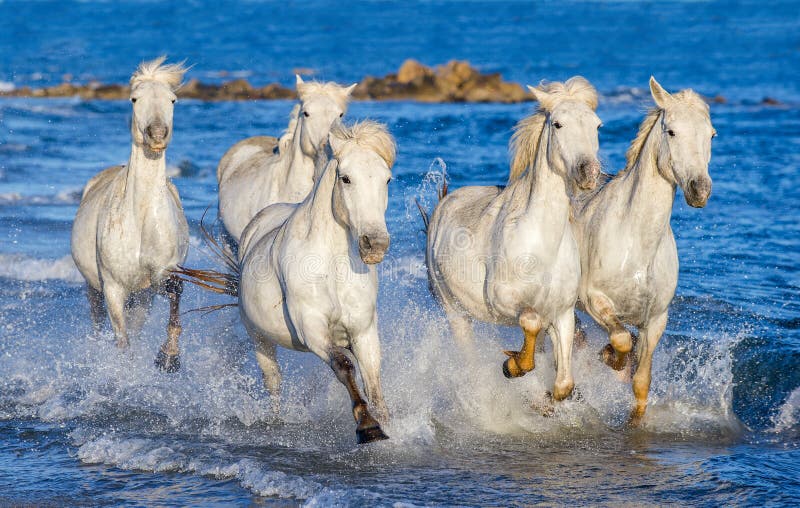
[521, 362]
[614, 354]
[648, 340]
[267, 358]
[367, 350]
[96, 308]
[562, 333]
[168, 358]
[367, 428]
[115, 297]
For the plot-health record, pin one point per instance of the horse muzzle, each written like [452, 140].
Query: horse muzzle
[156, 136]
[588, 173]
[697, 192]
[372, 248]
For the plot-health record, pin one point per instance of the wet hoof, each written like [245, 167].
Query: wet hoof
[370, 434]
[511, 368]
[610, 358]
[546, 406]
[635, 419]
[168, 363]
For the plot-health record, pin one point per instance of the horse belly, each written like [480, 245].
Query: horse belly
[84, 244]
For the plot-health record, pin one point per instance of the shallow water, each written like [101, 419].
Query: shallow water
[81, 423]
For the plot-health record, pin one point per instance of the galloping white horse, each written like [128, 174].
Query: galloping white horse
[628, 254]
[262, 170]
[130, 229]
[508, 256]
[306, 278]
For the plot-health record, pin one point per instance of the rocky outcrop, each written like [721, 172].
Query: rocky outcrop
[456, 81]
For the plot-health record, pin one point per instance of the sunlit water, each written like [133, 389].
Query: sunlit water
[82, 423]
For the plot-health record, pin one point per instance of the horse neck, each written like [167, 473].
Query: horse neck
[145, 176]
[649, 196]
[298, 165]
[543, 189]
[321, 222]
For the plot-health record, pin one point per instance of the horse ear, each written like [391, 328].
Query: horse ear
[335, 143]
[298, 80]
[539, 95]
[661, 96]
[349, 89]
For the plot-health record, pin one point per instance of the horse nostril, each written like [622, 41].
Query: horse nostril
[364, 242]
[157, 132]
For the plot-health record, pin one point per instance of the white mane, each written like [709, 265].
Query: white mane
[366, 134]
[156, 70]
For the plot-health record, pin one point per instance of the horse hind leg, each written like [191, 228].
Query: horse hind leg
[267, 358]
[521, 362]
[168, 357]
[97, 308]
[367, 427]
[615, 353]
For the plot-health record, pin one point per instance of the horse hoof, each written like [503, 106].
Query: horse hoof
[506, 372]
[168, 363]
[609, 357]
[370, 434]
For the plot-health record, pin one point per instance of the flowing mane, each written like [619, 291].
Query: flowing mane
[286, 138]
[524, 141]
[156, 70]
[366, 134]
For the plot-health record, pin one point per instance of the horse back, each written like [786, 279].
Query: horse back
[243, 151]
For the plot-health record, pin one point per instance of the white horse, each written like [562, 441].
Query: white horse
[628, 254]
[262, 170]
[130, 229]
[306, 279]
[508, 256]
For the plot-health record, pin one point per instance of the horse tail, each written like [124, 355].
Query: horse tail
[426, 219]
[223, 282]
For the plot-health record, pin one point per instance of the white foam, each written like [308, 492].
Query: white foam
[788, 416]
[63, 197]
[21, 267]
[6, 86]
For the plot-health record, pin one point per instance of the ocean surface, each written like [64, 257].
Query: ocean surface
[83, 424]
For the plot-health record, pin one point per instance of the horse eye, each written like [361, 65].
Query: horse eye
[671, 133]
[341, 115]
[133, 99]
[305, 114]
[173, 101]
[388, 181]
[556, 125]
[345, 179]
[598, 127]
[714, 134]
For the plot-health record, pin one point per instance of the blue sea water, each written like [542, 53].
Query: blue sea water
[82, 424]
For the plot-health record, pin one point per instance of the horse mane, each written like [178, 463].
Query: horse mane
[367, 134]
[156, 70]
[524, 141]
[286, 138]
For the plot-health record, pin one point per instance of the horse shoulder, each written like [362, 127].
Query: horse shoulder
[265, 222]
[243, 151]
[101, 181]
